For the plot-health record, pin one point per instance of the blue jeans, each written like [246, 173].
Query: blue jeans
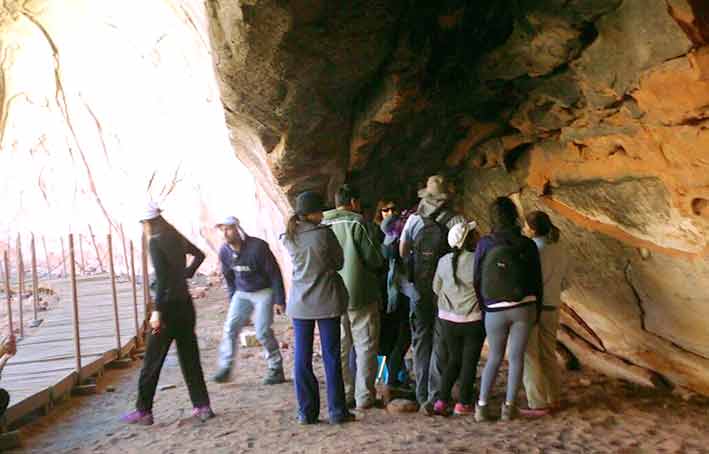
[243, 305]
[307, 390]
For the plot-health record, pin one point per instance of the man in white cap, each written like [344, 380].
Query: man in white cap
[424, 241]
[255, 286]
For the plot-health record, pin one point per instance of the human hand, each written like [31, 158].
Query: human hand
[11, 345]
[155, 323]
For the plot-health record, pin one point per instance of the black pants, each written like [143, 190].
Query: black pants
[181, 330]
[396, 339]
[4, 402]
[464, 342]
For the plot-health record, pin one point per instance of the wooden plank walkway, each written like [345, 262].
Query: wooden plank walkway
[44, 369]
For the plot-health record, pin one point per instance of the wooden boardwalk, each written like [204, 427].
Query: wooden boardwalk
[44, 369]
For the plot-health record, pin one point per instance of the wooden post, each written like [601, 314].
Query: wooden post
[35, 280]
[125, 251]
[135, 292]
[20, 284]
[8, 293]
[81, 251]
[63, 257]
[75, 303]
[98, 254]
[46, 257]
[146, 279]
[114, 294]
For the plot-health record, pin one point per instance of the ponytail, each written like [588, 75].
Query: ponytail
[454, 262]
[291, 227]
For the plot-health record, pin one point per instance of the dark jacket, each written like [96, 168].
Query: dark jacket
[317, 290]
[534, 284]
[168, 249]
[251, 269]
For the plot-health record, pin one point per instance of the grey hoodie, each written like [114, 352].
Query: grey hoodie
[457, 303]
[317, 290]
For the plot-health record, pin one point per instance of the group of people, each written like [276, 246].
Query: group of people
[423, 279]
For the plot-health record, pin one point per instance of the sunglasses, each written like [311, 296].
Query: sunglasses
[387, 209]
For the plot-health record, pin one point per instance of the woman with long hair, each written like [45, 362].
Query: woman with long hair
[508, 284]
[317, 296]
[460, 319]
[172, 319]
[542, 375]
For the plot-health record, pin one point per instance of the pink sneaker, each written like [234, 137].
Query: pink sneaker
[203, 413]
[463, 410]
[441, 408]
[143, 418]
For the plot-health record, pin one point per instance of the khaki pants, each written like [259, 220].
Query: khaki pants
[360, 328]
[542, 380]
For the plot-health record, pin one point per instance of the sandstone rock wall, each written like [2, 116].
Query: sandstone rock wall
[594, 111]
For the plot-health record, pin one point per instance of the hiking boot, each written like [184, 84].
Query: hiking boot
[304, 421]
[347, 417]
[535, 412]
[463, 410]
[223, 375]
[482, 413]
[274, 377]
[427, 409]
[508, 412]
[203, 413]
[143, 418]
[441, 408]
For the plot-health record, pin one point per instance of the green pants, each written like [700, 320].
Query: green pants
[542, 376]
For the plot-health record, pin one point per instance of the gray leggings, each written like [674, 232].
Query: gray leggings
[514, 324]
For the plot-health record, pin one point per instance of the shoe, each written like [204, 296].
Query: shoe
[509, 412]
[347, 417]
[441, 408]
[223, 375]
[535, 412]
[351, 403]
[203, 413]
[426, 409]
[303, 421]
[482, 413]
[274, 377]
[143, 418]
[463, 410]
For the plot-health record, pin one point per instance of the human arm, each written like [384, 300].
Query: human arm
[405, 239]
[334, 250]
[227, 270]
[437, 279]
[273, 271]
[368, 248]
[480, 251]
[197, 258]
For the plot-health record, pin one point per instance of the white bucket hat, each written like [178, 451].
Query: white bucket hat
[435, 189]
[459, 232]
[151, 211]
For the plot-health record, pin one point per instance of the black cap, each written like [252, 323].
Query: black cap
[308, 202]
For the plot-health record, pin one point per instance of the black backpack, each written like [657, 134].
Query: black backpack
[506, 271]
[429, 245]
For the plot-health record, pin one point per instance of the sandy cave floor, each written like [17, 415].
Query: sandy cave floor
[603, 415]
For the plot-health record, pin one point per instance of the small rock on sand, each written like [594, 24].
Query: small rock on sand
[402, 406]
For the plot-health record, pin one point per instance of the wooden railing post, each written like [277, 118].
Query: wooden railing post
[63, 257]
[135, 293]
[75, 303]
[8, 293]
[20, 285]
[35, 280]
[114, 294]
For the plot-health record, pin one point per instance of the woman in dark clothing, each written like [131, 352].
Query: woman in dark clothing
[173, 318]
[508, 284]
[317, 296]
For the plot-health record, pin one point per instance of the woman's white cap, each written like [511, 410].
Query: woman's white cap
[151, 211]
[459, 232]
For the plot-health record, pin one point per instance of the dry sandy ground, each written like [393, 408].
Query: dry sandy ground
[603, 416]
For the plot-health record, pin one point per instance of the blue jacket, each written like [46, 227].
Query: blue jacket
[251, 269]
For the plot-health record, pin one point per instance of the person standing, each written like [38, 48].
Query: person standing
[255, 286]
[423, 242]
[361, 322]
[460, 317]
[508, 283]
[317, 296]
[173, 318]
[542, 375]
